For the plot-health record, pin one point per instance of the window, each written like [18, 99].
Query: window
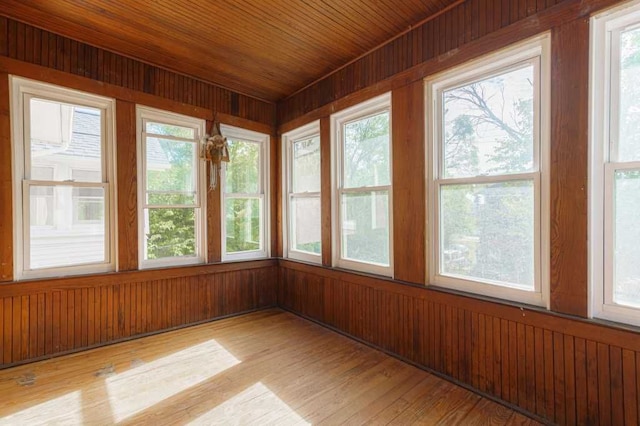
[63, 181]
[244, 196]
[171, 197]
[615, 164]
[488, 175]
[301, 181]
[362, 182]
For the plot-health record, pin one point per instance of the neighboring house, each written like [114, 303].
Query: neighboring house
[69, 219]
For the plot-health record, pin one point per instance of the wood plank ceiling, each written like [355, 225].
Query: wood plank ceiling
[264, 48]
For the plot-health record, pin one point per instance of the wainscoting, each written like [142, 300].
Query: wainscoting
[40, 319]
[565, 370]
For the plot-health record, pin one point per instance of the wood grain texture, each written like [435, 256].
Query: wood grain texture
[267, 367]
[6, 182]
[569, 171]
[314, 37]
[325, 190]
[79, 315]
[408, 183]
[214, 216]
[127, 179]
[532, 359]
[29, 45]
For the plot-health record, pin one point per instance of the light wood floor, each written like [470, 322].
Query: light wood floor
[268, 367]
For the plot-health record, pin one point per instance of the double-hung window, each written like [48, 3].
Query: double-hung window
[302, 206]
[362, 181]
[488, 175]
[244, 195]
[63, 173]
[615, 164]
[171, 198]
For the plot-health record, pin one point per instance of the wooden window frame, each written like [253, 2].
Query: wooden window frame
[22, 91]
[289, 139]
[144, 114]
[536, 52]
[371, 107]
[606, 28]
[262, 140]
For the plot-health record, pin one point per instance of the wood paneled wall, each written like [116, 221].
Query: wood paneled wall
[49, 317]
[35, 46]
[40, 319]
[564, 370]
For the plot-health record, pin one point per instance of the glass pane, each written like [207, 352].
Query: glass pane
[306, 165]
[79, 175]
[242, 216]
[626, 286]
[489, 126]
[64, 137]
[306, 225]
[171, 165]
[243, 171]
[66, 226]
[165, 199]
[629, 148]
[487, 232]
[366, 152]
[170, 232]
[365, 227]
[170, 130]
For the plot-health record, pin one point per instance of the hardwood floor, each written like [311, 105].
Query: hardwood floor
[269, 367]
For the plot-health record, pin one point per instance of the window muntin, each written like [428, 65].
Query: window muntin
[615, 164]
[302, 205]
[244, 197]
[362, 180]
[171, 194]
[63, 216]
[488, 179]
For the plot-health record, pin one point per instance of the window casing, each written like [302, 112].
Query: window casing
[488, 179]
[615, 164]
[362, 196]
[171, 191]
[244, 195]
[302, 203]
[64, 220]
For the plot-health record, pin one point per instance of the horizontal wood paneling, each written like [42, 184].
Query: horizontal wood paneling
[35, 46]
[69, 315]
[563, 370]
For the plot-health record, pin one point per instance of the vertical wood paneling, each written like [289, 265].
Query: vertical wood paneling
[44, 323]
[408, 183]
[544, 369]
[127, 181]
[6, 184]
[326, 189]
[569, 157]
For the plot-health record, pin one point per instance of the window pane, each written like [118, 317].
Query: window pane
[64, 136]
[306, 165]
[171, 165]
[489, 126]
[57, 236]
[170, 130]
[305, 224]
[242, 216]
[626, 286]
[243, 171]
[629, 145]
[365, 227]
[170, 232]
[487, 232]
[366, 152]
[168, 199]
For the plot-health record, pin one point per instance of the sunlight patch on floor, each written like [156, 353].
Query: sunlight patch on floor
[66, 409]
[142, 387]
[255, 405]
